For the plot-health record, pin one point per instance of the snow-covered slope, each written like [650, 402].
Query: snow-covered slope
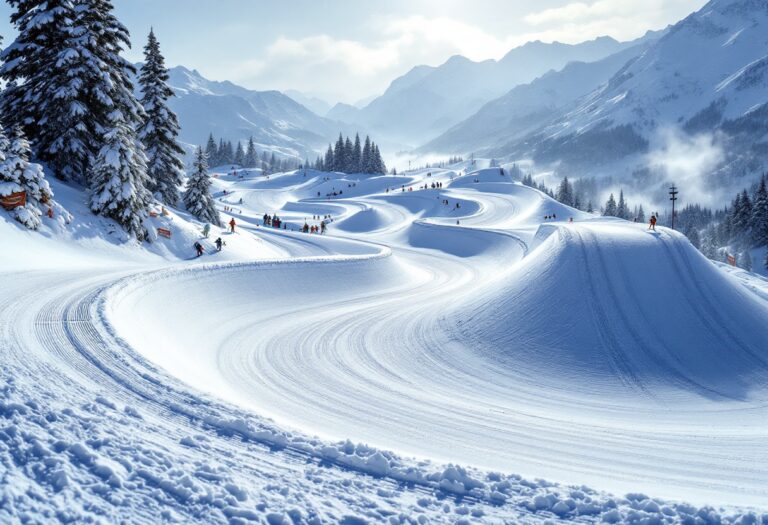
[448, 317]
[227, 110]
[428, 100]
[707, 75]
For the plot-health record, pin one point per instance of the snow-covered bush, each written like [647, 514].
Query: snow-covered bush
[17, 174]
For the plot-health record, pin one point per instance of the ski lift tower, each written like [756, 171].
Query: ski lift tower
[673, 197]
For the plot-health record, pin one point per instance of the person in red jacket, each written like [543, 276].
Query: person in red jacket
[232, 225]
[652, 226]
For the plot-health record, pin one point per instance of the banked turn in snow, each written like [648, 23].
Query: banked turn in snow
[590, 353]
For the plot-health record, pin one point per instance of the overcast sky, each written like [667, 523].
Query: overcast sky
[348, 50]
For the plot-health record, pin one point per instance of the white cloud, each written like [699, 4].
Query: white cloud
[350, 69]
[622, 19]
[337, 68]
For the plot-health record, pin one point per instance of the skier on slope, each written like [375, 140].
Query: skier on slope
[652, 225]
[219, 243]
[206, 230]
[232, 225]
[199, 249]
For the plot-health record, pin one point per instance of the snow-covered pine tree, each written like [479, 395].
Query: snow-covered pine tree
[221, 154]
[742, 219]
[366, 165]
[239, 158]
[610, 207]
[709, 244]
[49, 70]
[349, 156]
[622, 210]
[760, 215]
[273, 163]
[197, 197]
[640, 214]
[379, 166]
[374, 163]
[18, 174]
[339, 158]
[329, 161]
[590, 207]
[357, 155]
[565, 192]
[251, 155]
[160, 128]
[227, 155]
[119, 178]
[212, 151]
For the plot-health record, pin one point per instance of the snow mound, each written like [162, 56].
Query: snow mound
[634, 309]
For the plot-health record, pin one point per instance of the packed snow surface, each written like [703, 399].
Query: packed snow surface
[344, 377]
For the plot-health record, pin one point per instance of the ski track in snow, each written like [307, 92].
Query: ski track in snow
[188, 392]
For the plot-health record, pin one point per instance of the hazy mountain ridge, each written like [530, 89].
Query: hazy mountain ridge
[428, 100]
[527, 107]
[707, 75]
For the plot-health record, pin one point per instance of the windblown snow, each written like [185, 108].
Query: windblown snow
[434, 357]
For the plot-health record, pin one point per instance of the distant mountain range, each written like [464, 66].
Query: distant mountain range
[276, 121]
[528, 107]
[428, 100]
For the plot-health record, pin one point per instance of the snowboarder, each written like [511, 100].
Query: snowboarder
[232, 225]
[199, 249]
[219, 244]
[206, 230]
[322, 227]
[652, 226]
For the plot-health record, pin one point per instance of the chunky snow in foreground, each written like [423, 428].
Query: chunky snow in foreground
[421, 361]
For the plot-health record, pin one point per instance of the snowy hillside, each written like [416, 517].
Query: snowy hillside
[227, 110]
[428, 100]
[706, 77]
[560, 358]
